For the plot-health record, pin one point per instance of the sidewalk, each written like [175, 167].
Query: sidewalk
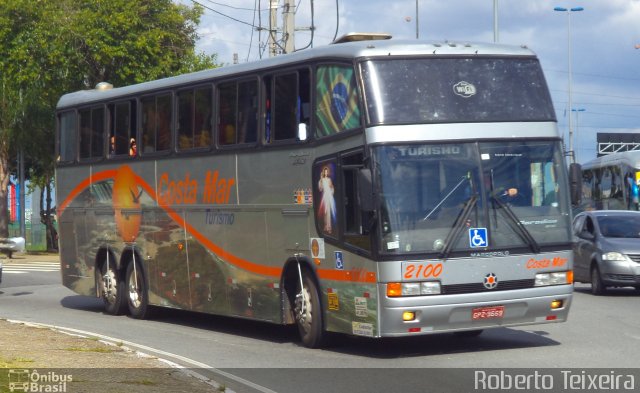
[85, 364]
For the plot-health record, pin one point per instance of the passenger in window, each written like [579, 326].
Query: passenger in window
[133, 149]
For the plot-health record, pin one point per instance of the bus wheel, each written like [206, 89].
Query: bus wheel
[308, 313]
[597, 287]
[137, 294]
[112, 289]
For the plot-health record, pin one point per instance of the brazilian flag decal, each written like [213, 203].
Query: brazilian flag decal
[337, 100]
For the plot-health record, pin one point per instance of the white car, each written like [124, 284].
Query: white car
[10, 245]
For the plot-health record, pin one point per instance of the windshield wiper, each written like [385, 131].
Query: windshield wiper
[458, 226]
[515, 223]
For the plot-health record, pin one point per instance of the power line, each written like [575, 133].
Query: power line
[232, 7]
[225, 15]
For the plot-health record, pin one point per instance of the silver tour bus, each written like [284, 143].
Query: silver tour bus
[380, 188]
[611, 182]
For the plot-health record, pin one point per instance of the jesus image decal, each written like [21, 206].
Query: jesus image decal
[327, 207]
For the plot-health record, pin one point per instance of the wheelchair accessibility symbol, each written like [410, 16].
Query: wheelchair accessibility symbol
[478, 237]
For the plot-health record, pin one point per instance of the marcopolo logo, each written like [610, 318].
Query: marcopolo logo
[464, 89]
[25, 380]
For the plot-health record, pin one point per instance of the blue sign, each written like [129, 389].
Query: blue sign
[339, 261]
[478, 237]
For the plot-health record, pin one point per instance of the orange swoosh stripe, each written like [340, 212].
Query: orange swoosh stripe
[327, 274]
[94, 178]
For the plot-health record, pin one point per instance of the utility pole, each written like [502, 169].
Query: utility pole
[289, 26]
[273, 28]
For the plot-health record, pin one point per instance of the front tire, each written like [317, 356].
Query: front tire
[137, 293]
[111, 289]
[308, 313]
[597, 286]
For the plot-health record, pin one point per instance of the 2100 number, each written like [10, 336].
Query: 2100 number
[421, 270]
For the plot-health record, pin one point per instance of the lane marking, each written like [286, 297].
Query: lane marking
[181, 358]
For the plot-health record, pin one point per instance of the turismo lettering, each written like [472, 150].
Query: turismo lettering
[430, 151]
[216, 190]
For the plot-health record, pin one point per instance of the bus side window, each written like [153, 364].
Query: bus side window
[194, 118]
[156, 122]
[337, 104]
[227, 98]
[92, 133]
[356, 222]
[67, 137]
[287, 105]
[247, 112]
[122, 128]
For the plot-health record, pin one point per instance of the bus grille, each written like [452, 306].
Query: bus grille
[456, 289]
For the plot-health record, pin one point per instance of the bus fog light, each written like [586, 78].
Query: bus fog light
[430, 288]
[411, 289]
[408, 316]
[556, 304]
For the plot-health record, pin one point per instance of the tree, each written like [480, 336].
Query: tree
[49, 48]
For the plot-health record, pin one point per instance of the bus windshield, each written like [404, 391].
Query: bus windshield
[434, 196]
[437, 90]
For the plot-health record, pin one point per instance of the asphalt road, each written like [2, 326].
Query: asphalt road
[602, 332]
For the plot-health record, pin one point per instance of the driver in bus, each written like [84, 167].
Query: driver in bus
[513, 196]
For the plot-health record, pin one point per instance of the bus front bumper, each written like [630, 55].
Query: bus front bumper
[451, 313]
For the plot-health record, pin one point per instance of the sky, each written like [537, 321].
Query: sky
[605, 77]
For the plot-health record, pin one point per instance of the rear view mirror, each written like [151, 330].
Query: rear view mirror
[365, 189]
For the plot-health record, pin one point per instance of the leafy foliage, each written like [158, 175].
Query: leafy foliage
[48, 48]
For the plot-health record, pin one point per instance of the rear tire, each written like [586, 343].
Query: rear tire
[137, 294]
[308, 313]
[111, 289]
[597, 287]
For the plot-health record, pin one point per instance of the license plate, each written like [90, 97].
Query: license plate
[487, 312]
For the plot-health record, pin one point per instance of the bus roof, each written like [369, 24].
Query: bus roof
[631, 158]
[344, 51]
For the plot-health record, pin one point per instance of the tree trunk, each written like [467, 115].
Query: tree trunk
[4, 195]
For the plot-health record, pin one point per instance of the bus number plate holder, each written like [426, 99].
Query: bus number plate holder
[487, 312]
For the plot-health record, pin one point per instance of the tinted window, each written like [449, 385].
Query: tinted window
[456, 90]
[67, 145]
[156, 120]
[122, 135]
[91, 133]
[337, 104]
[194, 118]
[238, 113]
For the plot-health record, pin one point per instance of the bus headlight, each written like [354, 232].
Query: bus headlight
[613, 256]
[430, 288]
[555, 278]
[399, 289]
